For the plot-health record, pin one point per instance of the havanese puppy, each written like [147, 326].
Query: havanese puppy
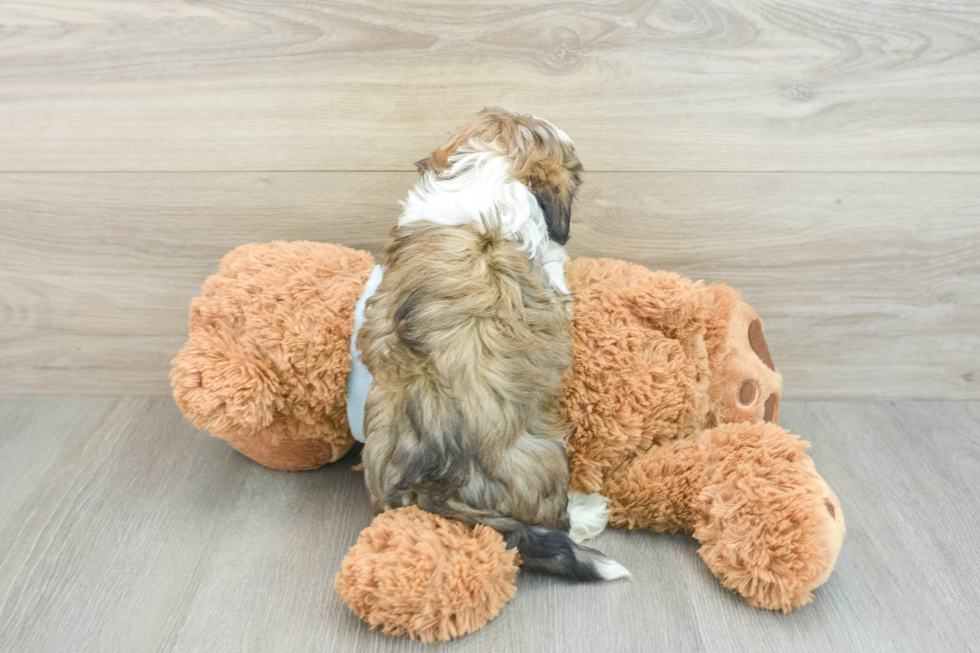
[467, 338]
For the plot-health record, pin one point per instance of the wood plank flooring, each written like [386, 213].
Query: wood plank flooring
[124, 529]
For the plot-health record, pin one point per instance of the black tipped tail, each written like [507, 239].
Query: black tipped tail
[551, 550]
[541, 547]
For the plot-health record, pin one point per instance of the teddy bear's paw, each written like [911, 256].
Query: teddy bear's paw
[587, 515]
[746, 385]
[772, 543]
[422, 575]
[831, 530]
[272, 448]
[221, 387]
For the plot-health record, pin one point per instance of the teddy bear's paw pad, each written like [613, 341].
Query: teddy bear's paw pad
[746, 383]
[587, 515]
[770, 408]
[757, 340]
[748, 391]
[829, 505]
[418, 574]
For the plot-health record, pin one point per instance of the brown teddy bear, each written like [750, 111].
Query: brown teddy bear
[673, 400]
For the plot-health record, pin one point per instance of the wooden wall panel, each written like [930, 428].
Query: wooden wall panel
[869, 284]
[742, 85]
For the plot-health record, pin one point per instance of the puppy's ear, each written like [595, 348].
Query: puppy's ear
[557, 213]
[437, 161]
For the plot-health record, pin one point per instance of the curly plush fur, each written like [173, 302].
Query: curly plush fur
[769, 526]
[659, 421]
[663, 427]
[428, 577]
[266, 363]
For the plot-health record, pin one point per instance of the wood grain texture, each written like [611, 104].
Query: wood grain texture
[869, 284]
[124, 529]
[742, 85]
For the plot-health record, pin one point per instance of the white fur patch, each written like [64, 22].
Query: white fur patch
[587, 516]
[479, 189]
[611, 570]
[554, 267]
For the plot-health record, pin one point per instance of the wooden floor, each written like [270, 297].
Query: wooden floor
[124, 529]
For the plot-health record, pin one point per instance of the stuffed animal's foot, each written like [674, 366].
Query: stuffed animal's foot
[745, 386]
[428, 577]
[291, 454]
[771, 528]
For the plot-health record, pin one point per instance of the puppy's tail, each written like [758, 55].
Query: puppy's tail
[551, 550]
[541, 547]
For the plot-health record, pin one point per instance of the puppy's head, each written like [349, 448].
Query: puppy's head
[540, 155]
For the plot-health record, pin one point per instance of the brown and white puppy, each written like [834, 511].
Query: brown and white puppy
[467, 339]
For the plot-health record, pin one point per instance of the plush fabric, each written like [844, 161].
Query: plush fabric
[428, 577]
[266, 363]
[673, 402]
[663, 427]
[769, 526]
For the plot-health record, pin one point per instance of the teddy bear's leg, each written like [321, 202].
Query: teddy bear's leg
[418, 574]
[769, 526]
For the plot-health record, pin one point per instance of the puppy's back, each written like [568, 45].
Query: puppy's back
[467, 348]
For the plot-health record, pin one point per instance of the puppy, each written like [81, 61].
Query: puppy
[467, 338]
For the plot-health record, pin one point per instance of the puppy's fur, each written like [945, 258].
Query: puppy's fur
[468, 336]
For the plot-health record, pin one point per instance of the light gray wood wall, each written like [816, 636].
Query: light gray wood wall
[821, 157]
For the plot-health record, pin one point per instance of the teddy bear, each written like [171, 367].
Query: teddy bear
[673, 404]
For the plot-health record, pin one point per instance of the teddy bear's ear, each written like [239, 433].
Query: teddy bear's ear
[221, 389]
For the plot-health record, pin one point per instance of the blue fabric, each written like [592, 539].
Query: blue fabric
[359, 379]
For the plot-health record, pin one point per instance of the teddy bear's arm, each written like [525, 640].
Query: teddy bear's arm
[769, 526]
